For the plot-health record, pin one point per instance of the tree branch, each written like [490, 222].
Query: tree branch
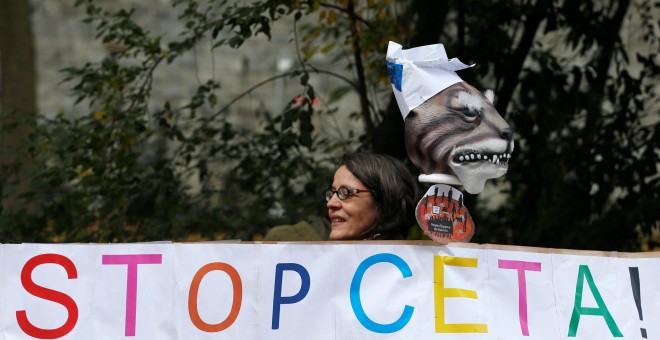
[344, 10]
[273, 78]
[359, 69]
[515, 62]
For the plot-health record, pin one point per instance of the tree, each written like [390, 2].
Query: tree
[586, 162]
[585, 168]
[17, 101]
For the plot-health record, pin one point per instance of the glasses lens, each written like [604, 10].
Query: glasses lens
[343, 193]
[328, 195]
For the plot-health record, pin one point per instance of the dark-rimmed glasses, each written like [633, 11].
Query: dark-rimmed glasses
[342, 192]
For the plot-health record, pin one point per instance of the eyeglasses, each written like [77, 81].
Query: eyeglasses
[342, 192]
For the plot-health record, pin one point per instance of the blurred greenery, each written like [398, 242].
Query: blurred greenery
[583, 103]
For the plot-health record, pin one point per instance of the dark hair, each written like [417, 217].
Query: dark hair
[393, 187]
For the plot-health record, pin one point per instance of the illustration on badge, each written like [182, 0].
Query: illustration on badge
[442, 215]
[453, 133]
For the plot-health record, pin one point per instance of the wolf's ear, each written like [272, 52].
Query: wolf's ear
[490, 95]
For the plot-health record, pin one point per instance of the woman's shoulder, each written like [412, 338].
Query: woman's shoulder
[313, 228]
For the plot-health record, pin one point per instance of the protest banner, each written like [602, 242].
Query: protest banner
[325, 290]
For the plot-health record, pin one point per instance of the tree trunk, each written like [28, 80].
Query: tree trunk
[430, 15]
[17, 98]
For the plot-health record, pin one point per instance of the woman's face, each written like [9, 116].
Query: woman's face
[356, 215]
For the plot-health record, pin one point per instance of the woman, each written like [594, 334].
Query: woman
[372, 197]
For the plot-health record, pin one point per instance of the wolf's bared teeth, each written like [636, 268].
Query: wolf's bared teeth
[500, 159]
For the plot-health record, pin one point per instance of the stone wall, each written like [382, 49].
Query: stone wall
[62, 40]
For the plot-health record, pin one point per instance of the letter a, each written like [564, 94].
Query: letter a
[578, 310]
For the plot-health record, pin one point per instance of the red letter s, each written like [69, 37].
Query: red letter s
[48, 294]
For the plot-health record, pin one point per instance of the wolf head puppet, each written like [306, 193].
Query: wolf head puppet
[452, 129]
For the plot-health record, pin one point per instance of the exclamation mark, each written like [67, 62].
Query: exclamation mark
[634, 282]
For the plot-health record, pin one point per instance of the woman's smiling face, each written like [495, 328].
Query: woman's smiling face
[355, 216]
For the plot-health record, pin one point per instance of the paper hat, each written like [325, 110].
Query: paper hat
[419, 73]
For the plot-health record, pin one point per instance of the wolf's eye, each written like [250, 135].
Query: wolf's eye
[470, 105]
[471, 112]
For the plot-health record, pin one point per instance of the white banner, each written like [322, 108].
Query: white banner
[384, 290]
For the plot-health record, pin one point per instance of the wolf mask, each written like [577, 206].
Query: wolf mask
[451, 128]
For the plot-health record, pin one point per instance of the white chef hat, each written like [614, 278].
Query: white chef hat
[419, 73]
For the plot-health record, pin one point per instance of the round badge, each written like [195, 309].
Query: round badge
[442, 215]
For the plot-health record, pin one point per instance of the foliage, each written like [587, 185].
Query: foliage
[122, 170]
[585, 168]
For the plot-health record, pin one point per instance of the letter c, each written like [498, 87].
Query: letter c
[356, 303]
